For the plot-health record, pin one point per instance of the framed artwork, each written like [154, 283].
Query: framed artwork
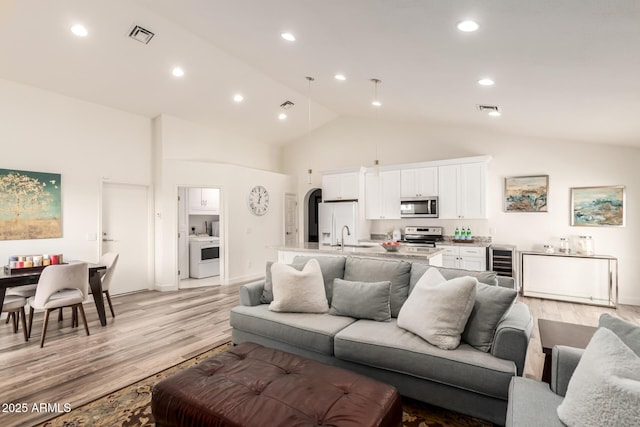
[30, 205]
[526, 193]
[598, 206]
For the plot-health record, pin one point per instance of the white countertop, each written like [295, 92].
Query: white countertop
[405, 252]
[203, 238]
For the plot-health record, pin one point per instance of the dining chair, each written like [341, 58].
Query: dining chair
[63, 285]
[21, 291]
[110, 259]
[14, 305]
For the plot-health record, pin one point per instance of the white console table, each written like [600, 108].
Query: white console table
[570, 277]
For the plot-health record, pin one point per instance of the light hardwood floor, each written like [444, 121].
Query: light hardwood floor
[155, 330]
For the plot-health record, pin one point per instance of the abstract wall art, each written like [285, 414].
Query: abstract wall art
[30, 205]
[598, 206]
[526, 193]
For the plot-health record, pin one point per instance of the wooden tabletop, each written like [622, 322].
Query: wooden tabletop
[560, 333]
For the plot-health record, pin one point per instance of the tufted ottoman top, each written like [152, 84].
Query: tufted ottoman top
[251, 385]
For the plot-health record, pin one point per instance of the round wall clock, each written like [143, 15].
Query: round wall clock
[258, 200]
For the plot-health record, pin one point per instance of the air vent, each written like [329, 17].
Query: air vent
[286, 105]
[141, 34]
[487, 108]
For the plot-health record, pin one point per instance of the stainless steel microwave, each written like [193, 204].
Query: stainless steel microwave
[419, 207]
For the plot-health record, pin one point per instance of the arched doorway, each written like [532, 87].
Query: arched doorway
[312, 199]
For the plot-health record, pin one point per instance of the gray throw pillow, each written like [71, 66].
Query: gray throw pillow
[627, 332]
[417, 270]
[361, 300]
[267, 291]
[332, 268]
[376, 270]
[492, 303]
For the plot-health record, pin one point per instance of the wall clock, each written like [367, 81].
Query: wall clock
[258, 200]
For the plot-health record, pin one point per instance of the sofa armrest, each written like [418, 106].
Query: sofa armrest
[563, 362]
[251, 293]
[512, 335]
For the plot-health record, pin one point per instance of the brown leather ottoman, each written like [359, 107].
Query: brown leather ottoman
[251, 385]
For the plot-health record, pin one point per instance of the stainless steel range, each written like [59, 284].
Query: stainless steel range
[425, 237]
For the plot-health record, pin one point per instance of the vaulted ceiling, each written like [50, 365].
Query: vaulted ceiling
[562, 69]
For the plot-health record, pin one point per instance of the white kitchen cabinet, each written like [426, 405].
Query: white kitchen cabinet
[462, 191]
[464, 257]
[340, 186]
[419, 182]
[382, 195]
[204, 201]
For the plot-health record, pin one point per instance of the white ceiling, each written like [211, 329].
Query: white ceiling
[564, 69]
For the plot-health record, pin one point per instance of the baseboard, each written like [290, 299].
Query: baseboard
[165, 287]
[630, 301]
[243, 279]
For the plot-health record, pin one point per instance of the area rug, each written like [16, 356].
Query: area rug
[131, 406]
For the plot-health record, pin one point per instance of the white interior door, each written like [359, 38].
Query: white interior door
[125, 229]
[291, 220]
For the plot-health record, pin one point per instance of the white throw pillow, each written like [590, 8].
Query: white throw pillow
[298, 291]
[604, 390]
[437, 310]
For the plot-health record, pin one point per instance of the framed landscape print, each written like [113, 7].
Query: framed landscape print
[526, 193]
[598, 206]
[30, 205]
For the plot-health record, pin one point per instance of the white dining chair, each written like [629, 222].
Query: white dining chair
[14, 305]
[64, 285]
[110, 259]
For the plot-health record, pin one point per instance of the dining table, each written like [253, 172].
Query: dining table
[16, 278]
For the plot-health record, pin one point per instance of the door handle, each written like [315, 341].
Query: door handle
[109, 240]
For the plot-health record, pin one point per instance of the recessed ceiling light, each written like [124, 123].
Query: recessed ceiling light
[177, 72]
[340, 77]
[486, 82]
[468, 26]
[288, 37]
[238, 98]
[282, 116]
[376, 103]
[79, 30]
[494, 113]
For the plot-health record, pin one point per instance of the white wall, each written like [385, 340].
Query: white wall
[232, 165]
[349, 142]
[46, 132]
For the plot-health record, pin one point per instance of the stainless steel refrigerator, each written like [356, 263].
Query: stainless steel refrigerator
[333, 216]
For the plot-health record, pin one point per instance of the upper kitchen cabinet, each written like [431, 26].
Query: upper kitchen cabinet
[204, 201]
[419, 182]
[382, 194]
[463, 191]
[340, 186]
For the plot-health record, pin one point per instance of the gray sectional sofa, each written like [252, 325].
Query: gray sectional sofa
[467, 380]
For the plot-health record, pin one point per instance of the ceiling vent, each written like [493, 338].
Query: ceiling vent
[286, 105]
[487, 108]
[141, 34]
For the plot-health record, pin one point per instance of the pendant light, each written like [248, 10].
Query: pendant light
[309, 80]
[376, 102]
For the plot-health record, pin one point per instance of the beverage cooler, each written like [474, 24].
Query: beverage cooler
[502, 260]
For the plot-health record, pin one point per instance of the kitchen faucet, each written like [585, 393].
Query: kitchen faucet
[342, 235]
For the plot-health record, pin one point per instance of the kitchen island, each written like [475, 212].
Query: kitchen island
[431, 256]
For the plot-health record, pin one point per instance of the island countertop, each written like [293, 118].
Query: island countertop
[370, 250]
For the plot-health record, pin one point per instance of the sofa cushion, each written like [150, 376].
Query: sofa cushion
[532, 404]
[605, 387]
[384, 345]
[437, 310]
[377, 270]
[332, 267]
[491, 304]
[362, 300]
[312, 332]
[267, 291]
[417, 270]
[298, 291]
[627, 332]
